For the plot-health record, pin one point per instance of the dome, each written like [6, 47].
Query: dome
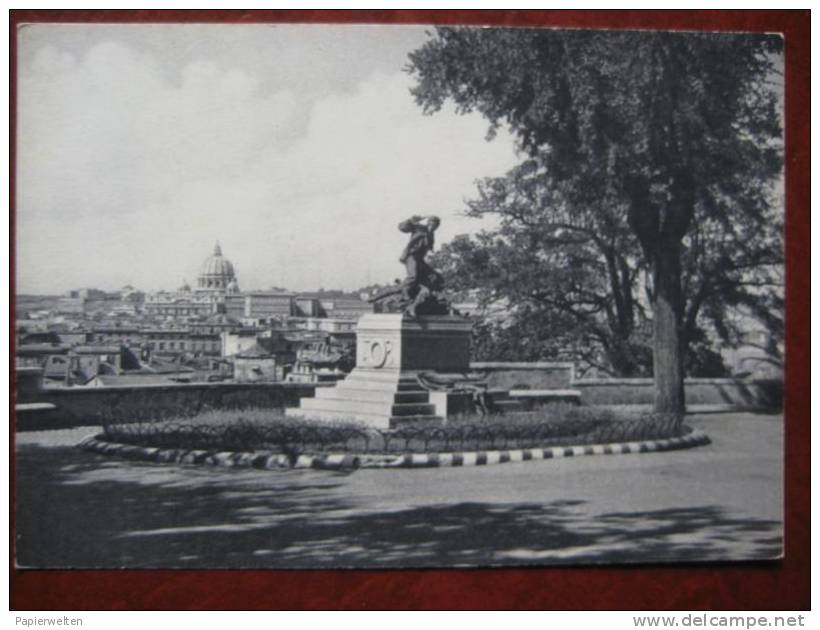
[216, 272]
[217, 265]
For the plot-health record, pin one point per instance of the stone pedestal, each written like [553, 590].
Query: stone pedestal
[382, 391]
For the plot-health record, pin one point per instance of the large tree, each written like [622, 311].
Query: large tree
[575, 284]
[571, 278]
[665, 132]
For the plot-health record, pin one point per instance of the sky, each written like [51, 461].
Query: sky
[298, 147]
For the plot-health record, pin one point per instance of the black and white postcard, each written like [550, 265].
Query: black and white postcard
[380, 296]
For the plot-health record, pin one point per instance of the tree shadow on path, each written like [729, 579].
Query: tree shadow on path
[75, 510]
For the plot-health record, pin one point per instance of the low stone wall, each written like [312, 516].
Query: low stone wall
[526, 375]
[77, 406]
[94, 405]
[29, 381]
[700, 392]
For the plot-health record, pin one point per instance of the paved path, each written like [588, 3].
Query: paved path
[722, 501]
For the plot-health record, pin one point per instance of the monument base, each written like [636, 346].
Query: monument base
[391, 350]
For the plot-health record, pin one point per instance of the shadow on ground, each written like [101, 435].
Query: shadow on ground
[76, 510]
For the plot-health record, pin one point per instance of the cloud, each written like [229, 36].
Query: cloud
[127, 173]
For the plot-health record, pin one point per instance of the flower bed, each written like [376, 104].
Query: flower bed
[555, 425]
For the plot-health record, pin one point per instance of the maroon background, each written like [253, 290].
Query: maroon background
[775, 585]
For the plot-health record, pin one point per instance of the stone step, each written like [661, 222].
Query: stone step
[373, 394]
[360, 382]
[346, 405]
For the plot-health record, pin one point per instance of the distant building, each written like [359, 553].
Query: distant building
[39, 337]
[56, 369]
[323, 360]
[37, 354]
[217, 275]
[260, 305]
[214, 325]
[75, 337]
[235, 306]
[215, 282]
[211, 327]
[180, 304]
[268, 359]
[174, 341]
[308, 306]
[80, 301]
[337, 333]
[351, 308]
[336, 304]
[125, 335]
[123, 310]
[130, 294]
[255, 364]
[84, 363]
[234, 342]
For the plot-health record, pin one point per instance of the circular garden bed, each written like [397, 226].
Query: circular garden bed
[266, 439]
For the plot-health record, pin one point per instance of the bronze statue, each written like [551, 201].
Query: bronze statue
[421, 291]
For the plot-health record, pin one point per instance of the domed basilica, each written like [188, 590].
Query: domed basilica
[217, 274]
[216, 280]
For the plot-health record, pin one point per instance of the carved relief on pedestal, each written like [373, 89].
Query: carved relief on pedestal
[376, 353]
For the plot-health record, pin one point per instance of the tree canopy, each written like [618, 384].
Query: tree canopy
[570, 282]
[664, 146]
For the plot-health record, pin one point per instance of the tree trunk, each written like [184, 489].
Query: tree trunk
[666, 307]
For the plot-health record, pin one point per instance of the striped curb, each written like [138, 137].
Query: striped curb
[265, 460]
[486, 458]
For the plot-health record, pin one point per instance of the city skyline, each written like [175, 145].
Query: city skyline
[532, 277]
[187, 283]
[139, 146]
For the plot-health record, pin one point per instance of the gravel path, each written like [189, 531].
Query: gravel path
[722, 501]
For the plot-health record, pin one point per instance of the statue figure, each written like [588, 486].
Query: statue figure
[421, 291]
